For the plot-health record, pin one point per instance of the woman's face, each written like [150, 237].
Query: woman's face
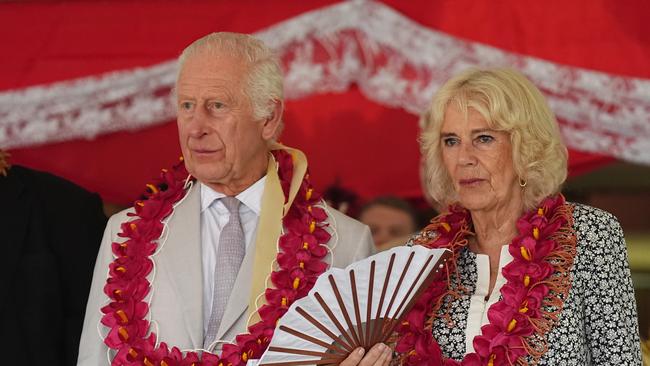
[478, 160]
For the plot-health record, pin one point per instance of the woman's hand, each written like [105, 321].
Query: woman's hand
[379, 355]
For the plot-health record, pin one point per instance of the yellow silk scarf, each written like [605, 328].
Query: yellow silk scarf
[269, 227]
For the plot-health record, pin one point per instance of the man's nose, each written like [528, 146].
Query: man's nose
[380, 237]
[198, 123]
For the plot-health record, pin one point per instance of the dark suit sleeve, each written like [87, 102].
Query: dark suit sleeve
[76, 221]
[31, 298]
[51, 230]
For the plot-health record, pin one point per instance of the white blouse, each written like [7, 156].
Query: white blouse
[478, 306]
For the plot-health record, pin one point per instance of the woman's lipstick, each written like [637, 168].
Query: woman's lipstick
[470, 181]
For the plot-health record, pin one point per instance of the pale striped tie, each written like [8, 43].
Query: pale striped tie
[230, 254]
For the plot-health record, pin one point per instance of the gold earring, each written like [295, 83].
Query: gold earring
[522, 182]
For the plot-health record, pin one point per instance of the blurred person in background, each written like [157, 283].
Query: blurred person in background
[392, 221]
[342, 199]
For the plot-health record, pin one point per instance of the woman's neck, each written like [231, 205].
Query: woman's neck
[497, 226]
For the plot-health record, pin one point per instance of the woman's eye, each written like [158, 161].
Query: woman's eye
[449, 141]
[484, 139]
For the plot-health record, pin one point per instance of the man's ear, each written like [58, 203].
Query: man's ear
[272, 123]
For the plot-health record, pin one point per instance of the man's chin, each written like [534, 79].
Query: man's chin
[208, 172]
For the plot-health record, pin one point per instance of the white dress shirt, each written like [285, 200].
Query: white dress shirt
[214, 216]
[478, 306]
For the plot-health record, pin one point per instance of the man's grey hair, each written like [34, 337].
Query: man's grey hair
[264, 77]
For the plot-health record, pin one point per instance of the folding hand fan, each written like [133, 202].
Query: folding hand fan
[358, 306]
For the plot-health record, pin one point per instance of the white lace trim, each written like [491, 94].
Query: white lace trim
[87, 107]
[393, 60]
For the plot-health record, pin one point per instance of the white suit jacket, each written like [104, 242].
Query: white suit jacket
[176, 305]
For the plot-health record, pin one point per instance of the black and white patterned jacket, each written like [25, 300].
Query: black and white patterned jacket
[598, 325]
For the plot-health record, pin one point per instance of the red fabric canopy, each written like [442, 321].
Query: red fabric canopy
[370, 147]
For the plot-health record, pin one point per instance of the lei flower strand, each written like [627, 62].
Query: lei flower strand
[537, 282]
[300, 262]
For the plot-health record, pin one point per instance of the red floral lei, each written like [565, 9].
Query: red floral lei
[300, 261]
[537, 282]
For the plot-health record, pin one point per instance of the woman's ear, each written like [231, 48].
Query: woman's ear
[273, 123]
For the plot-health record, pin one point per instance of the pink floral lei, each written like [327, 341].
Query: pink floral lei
[300, 261]
[532, 299]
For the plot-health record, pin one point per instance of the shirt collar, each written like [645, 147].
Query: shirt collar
[251, 197]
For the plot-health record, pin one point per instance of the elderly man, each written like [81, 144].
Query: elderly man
[224, 251]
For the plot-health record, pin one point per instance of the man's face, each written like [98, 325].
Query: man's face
[388, 224]
[222, 143]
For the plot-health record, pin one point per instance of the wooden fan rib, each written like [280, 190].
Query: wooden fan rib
[373, 339]
[371, 283]
[399, 284]
[331, 347]
[377, 330]
[417, 278]
[323, 362]
[357, 310]
[346, 316]
[338, 325]
[425, 284]
[323, 328]
[403, 302]
[392, 299]
[303, 352]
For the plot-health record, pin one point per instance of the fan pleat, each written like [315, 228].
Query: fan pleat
[341, 314]
[349, 332]
[322, 328]
[336, 322]
[333, 348]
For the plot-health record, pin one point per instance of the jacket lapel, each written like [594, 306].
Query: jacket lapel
[180, 258]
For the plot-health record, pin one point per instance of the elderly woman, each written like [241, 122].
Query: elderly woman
[534, 279]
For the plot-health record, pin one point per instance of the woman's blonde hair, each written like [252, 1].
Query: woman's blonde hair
[508, 102]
